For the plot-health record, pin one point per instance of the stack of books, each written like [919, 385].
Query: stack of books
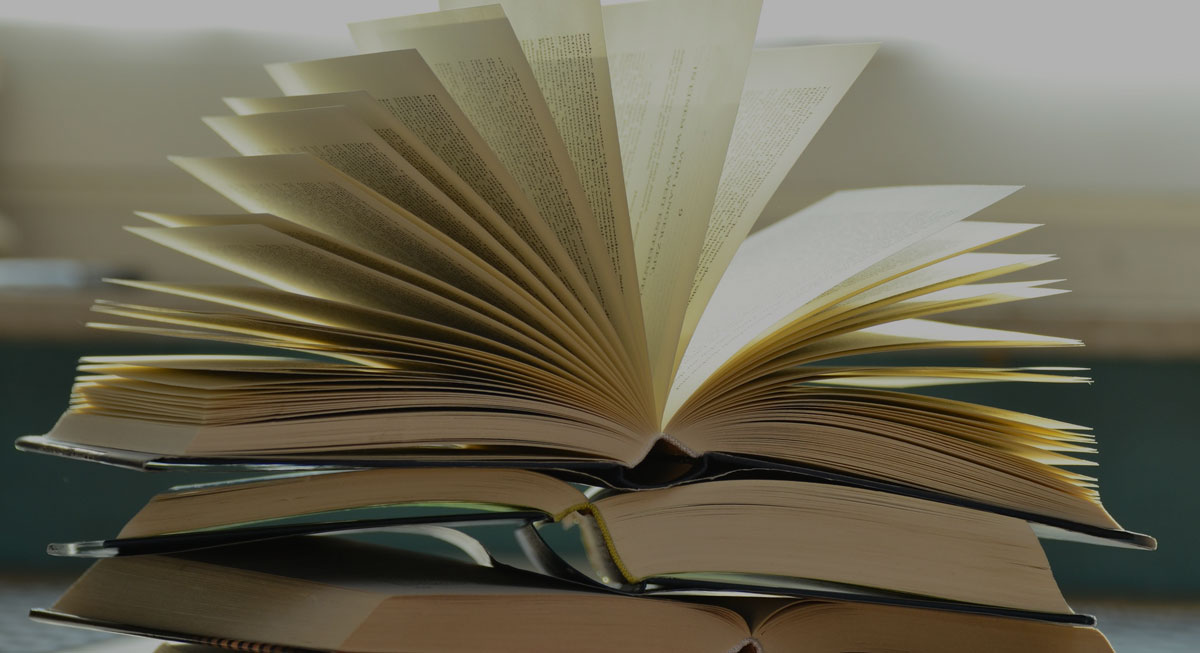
[503, 264]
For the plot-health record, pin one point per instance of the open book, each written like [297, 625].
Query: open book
[318, 594]
[517, 235]
[749, 535]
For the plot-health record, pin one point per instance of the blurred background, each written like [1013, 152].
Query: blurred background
[1093, 108]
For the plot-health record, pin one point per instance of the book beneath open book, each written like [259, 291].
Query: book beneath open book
[318, 594]
[476, 253]
[750, 535]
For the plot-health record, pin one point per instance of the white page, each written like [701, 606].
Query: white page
[478, 59]
[783, 267]
[789, 93]
[677, 69]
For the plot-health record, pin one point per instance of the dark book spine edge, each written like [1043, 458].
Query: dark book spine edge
[250, 647]
[65, 619]
[180, 542]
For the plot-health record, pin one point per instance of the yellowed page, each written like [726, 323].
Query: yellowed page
[215, 362]
[404, 84]
[914, 302]
[352, 262]
[340, 338]
[942, 301]
[325, 241]
[917, 334]
[390, 129]
[410, 146]
[949, 244]
[477, 57]
[563, 41]
[303, 189]
[785, 266]
[899, 378]
[336, 136]
[413, 352]
[328, 257]
[677, 69]
[284, 262]
[942, 260]
[777, 351]
[336, 313]
[378, 320]
[973, 266]
[436, 365]
[789, 93]
[1022, 289]
[556, 294]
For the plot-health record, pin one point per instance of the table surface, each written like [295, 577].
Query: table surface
[1133, 626]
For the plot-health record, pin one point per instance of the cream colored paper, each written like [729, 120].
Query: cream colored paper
[478, 59]
[399, 137]
[336, 136]
[404, 84]
[563, 40]
[305, 190]
[783, 267]
[970, 267]
[587, 314]
[287, 263]
[918, 333]
[410, 146]
[677, 69]
[938, 259]
[281, 261]
[789, 93]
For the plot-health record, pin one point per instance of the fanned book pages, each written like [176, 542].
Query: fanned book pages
[517, 235]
